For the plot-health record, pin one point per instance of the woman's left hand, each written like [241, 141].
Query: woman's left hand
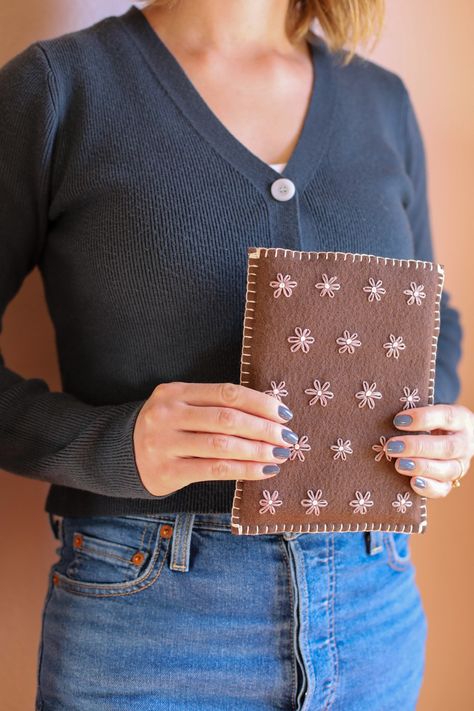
[433, 460]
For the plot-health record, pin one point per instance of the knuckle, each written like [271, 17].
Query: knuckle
[229, 392]
[451, 447]
[149, 417]
[226, 417]
[450, 415]
[260, 451]
[418, 445]
[219, 443]
[428, 467]
[220, 469]
[269, 430]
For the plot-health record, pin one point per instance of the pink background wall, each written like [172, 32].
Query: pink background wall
[434, 53]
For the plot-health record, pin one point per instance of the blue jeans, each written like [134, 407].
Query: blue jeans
[172, 611]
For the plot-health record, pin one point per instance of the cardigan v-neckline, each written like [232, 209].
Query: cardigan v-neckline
[313, 136]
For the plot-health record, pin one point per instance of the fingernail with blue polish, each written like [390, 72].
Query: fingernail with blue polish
[395, 446]
[402, 420]
[406, 464]
[285, 412]
[289, 436]
[271, 469]
[281, 452]
[420, 483]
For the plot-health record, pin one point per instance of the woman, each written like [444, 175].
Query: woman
[138, 159]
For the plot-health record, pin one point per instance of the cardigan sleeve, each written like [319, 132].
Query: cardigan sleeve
[447, 384]
[48, 436]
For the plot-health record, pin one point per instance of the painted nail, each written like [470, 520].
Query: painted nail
[402, 420]
[420, 483]
[271, 469]
[281, 452]
[406, 464]
[285, 412]
[395, 446]
[289, 436]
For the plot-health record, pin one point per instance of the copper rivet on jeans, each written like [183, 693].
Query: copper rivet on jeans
[166, 531]
[78, 540]
[55, 579]
[138, 557]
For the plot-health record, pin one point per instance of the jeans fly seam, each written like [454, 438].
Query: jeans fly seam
[332, 623]
[294, 687]
[308, 666]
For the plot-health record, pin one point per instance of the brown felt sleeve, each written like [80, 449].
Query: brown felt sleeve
[345, 341]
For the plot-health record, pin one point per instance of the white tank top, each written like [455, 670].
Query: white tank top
[277, 166]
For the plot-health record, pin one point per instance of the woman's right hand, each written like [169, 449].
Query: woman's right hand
[189, 432]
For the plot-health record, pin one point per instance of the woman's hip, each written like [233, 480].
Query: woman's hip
[174, 611]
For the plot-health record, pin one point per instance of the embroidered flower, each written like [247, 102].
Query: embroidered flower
[410, 397]
[380, 448]
[314, 502]
[342, 449]
[328, 285]
[321, 393]
[374, 289]
[394, 346]
[284, 285]
[415, 293]
[368, 395]
[362, 502]
[296, 450]
[402, 502]
[269, 502]
[348, 342]
[301, 340]
[277, 390]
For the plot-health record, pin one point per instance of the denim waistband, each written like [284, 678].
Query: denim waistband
[183, 524]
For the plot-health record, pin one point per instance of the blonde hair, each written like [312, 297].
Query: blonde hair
[345, 23]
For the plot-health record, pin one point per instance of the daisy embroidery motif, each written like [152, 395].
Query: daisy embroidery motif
[368, 395]
[342, 449]
[283, 285]
[302, 339]
[380, 449]
[362, 502]
[409, 397]
[402, 502]
[314, 502]
[269, 502]
[348, 342]
[328, 285]
[394, 346]
[415, 294]
[277, 391]
[321, 393]
[374, 289]
[297, 449]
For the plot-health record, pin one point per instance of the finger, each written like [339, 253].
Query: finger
[439, 469]
[222, 446]
[453, 418]
[430, 487]
[228, 420]
[450, 446]
[188, 471]
[233, 395]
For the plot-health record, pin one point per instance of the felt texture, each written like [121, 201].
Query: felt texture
[338, 477]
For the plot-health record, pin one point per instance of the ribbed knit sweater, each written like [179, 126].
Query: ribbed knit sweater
[138, 205]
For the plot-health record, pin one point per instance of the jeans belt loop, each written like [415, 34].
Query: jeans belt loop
[181, 542]
[375, 542]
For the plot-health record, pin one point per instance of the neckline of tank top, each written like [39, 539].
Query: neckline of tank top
[277, 166]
